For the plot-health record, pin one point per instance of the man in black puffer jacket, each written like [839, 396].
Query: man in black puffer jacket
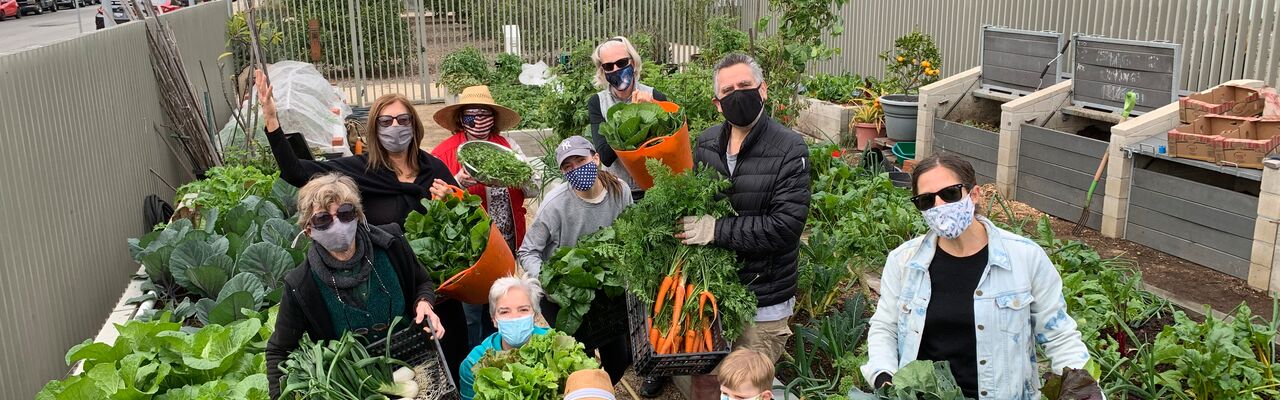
[768, 165]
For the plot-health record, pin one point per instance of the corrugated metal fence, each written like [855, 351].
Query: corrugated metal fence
[77, 122]
[1221, 39]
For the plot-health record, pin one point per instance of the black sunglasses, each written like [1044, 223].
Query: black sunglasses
[950, 194]
[616, 65]
[322, 221]
[403, 119]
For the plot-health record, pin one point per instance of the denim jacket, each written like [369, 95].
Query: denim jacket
[1018, 304]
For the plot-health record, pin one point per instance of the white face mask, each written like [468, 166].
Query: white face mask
[951, 219]
[725, 396]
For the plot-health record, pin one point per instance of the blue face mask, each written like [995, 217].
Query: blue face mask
[516, 332]
[583, 177]
[622, 78]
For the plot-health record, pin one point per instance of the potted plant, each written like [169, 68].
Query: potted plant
[913, 62]
[867, 123]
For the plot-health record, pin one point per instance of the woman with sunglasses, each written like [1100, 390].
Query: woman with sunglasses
[393, 177]
[477, 117]
[618, 75]
[969, 293]
[356, 278]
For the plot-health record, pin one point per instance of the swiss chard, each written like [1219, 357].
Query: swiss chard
[630, 125]
[450, 236]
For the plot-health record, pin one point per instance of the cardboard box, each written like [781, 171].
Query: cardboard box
[1222, 125]
[1184, 142]
[1261, 139]
[1230, 100]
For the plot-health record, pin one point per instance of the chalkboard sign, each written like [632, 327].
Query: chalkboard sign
[1105, 69]
[1013, 59]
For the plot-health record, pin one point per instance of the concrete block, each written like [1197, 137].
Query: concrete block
[1115, 206]
[1270, 180]
[1266, 230]
[1269, 206]
[1263, 253]
[1113, 227]
[1259, 276]
[1117, 187]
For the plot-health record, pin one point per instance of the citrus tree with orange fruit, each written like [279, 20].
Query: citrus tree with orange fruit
[913, 62]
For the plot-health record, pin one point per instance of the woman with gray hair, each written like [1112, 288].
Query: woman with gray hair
[513, 304]
[356, 278]
[618, 68]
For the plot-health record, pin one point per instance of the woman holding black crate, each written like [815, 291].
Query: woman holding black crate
[356, 278]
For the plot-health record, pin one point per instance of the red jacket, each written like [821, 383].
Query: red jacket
[447, 151]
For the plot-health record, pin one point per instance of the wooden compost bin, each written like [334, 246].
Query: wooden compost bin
[1194, 210]
[956, 118]
[1055, 169]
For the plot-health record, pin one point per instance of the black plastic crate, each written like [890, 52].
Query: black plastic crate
[413, 346]
[647, 362]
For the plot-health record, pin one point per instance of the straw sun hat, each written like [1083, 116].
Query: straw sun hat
[447, 117]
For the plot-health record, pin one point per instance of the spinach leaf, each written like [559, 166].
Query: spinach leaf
[450, 236]
[630, 125]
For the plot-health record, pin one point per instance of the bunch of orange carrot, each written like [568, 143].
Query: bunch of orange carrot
[686, 332]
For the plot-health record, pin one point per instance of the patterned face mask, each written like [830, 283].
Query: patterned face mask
[583, 177]
[951, 219]
[478, 122]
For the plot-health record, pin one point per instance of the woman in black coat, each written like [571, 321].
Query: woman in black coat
[356, 278]
[393, 178]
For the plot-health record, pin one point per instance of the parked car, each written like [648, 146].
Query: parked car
[119, 14]
[9, 8]
[69, 4]
[37, 6]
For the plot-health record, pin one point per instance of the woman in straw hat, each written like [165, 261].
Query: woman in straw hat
[478, 117]
[393, 177]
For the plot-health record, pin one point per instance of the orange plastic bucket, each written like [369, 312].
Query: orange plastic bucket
[674, 150]
[472, 284]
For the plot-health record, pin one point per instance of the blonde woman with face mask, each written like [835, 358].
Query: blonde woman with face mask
[356, 278]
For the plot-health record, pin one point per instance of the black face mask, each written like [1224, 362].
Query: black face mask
[743, 107]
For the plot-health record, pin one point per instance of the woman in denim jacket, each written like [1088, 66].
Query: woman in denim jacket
[971, 294]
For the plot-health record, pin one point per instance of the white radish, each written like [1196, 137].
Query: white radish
[402, 375]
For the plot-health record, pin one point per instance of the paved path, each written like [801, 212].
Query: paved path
[39, 30]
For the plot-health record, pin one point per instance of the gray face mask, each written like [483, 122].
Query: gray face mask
[395, 138]
[339, 237]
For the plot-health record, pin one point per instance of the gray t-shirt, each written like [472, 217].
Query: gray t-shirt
[776, 312]
[562, 219]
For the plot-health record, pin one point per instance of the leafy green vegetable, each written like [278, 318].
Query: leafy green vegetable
[535, 371]
[1073, 384]
[189, 266]
[495, 166]
[573, 276]
[339, 369]
[649, 247]
[918, 380]
[630, 125]
[464, 68]
[450, 236]
[159, 358]
[225, 186]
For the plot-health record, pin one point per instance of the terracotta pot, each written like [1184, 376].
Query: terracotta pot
[867, 132]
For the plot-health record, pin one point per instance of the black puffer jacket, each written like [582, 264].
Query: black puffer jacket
[771, 195]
